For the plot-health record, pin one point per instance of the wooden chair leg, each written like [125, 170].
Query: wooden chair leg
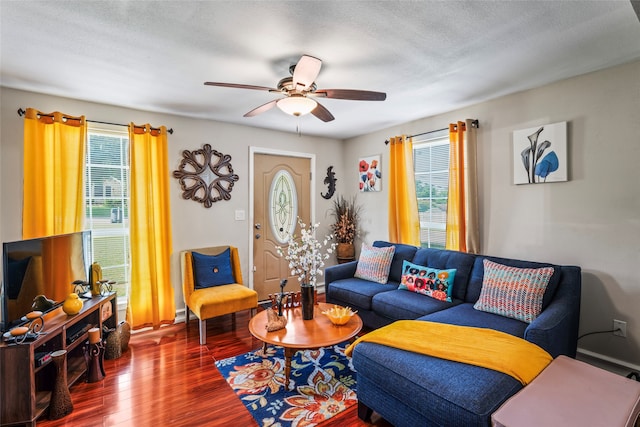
[186, 315]
[203, 332]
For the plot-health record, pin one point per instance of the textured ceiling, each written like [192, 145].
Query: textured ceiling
[428, 56]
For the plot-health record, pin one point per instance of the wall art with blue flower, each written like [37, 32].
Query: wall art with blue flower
[540, 154]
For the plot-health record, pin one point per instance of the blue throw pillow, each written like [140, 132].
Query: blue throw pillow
[212, 270]
[428, 281]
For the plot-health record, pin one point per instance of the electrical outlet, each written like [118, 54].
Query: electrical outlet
[619, 328]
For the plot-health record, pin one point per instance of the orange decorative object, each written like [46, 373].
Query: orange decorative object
[20, 330]
[72, 305]
[339, 315]
[33, 315]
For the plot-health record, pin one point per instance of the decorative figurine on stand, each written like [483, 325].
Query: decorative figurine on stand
[42, 303]
[281, 300]
[30, 330]
[106, 286]
[94, 356]
[80, 287]
[275, 320]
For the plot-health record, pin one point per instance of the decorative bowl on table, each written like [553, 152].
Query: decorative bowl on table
[339, 315]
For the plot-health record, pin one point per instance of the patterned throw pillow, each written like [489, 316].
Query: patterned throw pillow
[428, 281]
[374, 263]
[513, 292]
[212, 270]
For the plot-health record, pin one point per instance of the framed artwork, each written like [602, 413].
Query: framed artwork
[540, 154]
[369, 174]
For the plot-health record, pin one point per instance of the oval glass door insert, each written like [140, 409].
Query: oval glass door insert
[283, 206]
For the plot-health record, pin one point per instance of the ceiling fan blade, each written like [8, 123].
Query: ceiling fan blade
[240, 86]
[322, 113]
[306, 71]
[355, 95]
[261, 109]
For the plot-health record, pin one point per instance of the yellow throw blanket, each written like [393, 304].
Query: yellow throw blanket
[487, 348]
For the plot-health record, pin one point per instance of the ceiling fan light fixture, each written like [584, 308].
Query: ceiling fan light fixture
[296, 105]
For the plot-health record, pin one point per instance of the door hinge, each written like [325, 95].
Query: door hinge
[310, 176]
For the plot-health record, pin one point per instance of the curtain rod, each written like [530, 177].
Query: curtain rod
[22, 112]
[475, 123]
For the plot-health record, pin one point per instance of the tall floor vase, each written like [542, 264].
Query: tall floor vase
[60, 404]
[307, 301]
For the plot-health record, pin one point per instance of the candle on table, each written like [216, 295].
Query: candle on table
[94, 336]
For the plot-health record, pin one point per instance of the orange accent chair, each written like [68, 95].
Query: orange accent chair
[217, 300]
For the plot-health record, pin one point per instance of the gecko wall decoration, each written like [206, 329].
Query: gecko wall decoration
[330, 180]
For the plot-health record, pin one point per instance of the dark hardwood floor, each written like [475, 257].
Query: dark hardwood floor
[167, 379]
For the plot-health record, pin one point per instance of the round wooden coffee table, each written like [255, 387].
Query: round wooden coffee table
[303, 334]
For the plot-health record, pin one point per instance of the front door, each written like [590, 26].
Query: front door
[281, 194]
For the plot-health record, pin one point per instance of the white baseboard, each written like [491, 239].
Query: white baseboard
[610, 360]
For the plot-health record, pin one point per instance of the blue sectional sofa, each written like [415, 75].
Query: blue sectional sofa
[411, 389]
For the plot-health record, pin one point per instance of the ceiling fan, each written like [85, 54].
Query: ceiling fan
[300, 92]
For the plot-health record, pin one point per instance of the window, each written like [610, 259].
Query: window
[431, 168]
[107, 202]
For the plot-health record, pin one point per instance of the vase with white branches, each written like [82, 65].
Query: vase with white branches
[306, 256]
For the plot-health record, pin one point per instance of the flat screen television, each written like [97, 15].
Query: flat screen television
[43, 266]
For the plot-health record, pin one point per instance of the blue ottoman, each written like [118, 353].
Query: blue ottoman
[427, 391]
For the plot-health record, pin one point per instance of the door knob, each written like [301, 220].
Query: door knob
[258, 235]
[257, 226]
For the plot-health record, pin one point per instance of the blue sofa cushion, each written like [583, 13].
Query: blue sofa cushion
[401, 253]
[466, 315]
[357, 292]
[400, 304]
[477, 274]
[445, 259]
[443, 392]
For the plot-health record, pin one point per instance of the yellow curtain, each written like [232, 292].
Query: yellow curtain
[463, 233]
[54, 158]
[151, 300]
[404, 224]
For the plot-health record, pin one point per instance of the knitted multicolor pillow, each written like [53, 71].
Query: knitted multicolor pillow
[513, 292]
[374, 263]
[428, 281]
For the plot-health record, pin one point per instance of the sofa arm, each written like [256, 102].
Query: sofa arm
[340, 271]
[556, 328]
[551, 331]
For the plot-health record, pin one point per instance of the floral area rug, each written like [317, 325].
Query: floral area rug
[322, 384]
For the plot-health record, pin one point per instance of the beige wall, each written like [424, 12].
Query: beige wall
[193, 225]
[593, 220]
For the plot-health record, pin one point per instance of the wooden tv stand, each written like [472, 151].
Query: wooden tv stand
[26, 384]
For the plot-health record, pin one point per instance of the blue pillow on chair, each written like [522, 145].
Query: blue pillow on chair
[212, 270]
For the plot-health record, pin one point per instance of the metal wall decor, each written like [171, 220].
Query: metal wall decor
[206, 175]
[330, 180]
